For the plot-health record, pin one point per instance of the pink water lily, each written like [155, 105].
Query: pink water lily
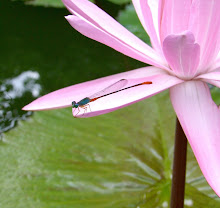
[185, 37]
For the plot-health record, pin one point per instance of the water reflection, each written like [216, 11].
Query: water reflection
[17, 86]
[12, 94]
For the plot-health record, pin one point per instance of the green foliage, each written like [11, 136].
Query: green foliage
[121, 159]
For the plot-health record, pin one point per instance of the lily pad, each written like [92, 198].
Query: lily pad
[121, 159]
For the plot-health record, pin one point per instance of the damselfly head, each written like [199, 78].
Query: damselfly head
[75, 105]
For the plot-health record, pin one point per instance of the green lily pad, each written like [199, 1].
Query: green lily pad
[121, 159]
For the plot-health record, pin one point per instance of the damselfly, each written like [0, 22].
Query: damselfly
[113, 88]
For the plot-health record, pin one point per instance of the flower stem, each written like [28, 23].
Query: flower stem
[179, 168]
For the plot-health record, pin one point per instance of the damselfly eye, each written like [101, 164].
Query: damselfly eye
[74, 104]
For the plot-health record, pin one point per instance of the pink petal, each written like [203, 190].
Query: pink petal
[204, 23]
[97, 18]
[182, 54]
[200, 119]
[174, 17]
[215, 75]
[88, 29]
[212, 82]
[149, 22]
[63, 98]
[127, 97]
[211, 77]
[216, 64]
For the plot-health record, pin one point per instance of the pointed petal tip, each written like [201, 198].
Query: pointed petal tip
[29, 107]
[25, 108]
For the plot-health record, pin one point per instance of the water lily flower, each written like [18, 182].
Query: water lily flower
[185, 56]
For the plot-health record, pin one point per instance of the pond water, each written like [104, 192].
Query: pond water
[41, 52]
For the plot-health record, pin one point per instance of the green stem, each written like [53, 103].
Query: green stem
[179, 168]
